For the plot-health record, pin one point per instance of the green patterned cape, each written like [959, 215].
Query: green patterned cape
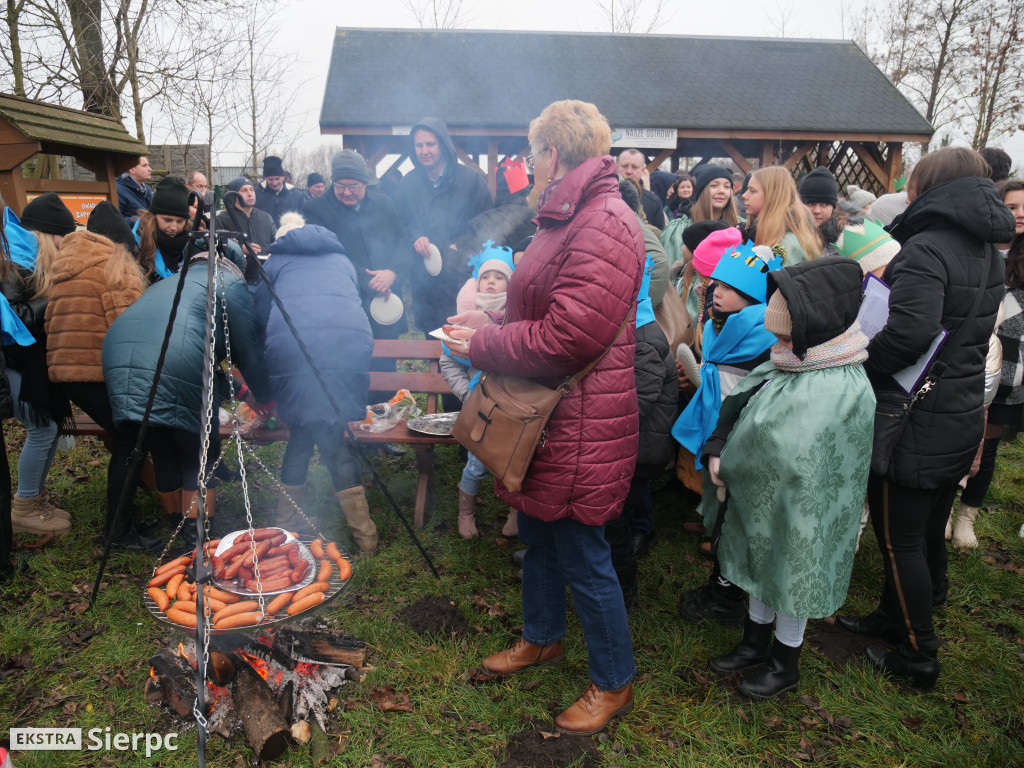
[796, 466]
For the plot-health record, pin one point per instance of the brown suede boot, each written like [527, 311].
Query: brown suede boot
[467, 515]
[522, 655]
[594, 709]
[357, 514]
[31, 516]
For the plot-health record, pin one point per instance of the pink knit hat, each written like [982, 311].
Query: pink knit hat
[706, 257]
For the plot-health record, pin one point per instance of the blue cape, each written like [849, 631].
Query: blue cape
[743, 338]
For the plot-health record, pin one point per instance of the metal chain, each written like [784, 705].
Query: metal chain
[236, 435]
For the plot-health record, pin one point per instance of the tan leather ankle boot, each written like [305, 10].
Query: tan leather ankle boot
[357, 514]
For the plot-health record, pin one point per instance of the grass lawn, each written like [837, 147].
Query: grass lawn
[62, 665]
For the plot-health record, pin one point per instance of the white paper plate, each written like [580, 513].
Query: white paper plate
[234, 588]
[433, 264]
[387, 311]
[685, 356]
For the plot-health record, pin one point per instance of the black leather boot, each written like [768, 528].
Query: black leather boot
[754, 649]
[920, 668]
[873, 625]
[782, 674]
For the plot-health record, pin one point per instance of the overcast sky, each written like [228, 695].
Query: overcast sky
[308, 26]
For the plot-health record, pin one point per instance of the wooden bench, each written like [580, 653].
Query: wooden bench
[429, 382]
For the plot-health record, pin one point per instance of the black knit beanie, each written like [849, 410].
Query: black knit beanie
[703, 175]
[236, 184]
[695, 234]
[314, 178]
[819, 186]
[106, 220]
[48, 214]
[170, 198]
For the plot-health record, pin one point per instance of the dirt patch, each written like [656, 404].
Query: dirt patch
[435, 615]
[837, 645]
[538, 747]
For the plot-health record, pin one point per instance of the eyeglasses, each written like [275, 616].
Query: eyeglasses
[348, 187]
[529, 164]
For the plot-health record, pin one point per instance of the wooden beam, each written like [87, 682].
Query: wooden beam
[662, 156]
[737, 157]
[386, 148]
[869, 162]
[767, 153]
[65, 185]
[401, 159]
[13, 155]
[12, 188]
[798, 155]
[466, 159]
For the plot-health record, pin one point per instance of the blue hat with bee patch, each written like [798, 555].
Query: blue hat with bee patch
[745, 268]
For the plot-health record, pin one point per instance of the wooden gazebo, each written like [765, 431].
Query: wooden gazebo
[34, 129]
[758, 101]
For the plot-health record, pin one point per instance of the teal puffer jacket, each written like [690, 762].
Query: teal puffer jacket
[132, 346]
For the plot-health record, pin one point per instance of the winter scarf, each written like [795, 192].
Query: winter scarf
[742, 338]
[167, 259]
[848, 348]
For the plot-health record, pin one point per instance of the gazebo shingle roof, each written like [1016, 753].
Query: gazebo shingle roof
[394, 77]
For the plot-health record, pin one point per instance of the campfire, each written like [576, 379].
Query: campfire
[270, 685]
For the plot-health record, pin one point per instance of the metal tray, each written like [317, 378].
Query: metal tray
[230, 586]
[337, 587]
[438, 424]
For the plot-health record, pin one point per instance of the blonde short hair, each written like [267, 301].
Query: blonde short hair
[576, 128]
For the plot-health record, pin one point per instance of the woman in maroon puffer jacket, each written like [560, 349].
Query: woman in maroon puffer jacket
[568, 298]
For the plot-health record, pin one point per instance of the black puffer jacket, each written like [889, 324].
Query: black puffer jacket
[657, 393]
[373, 238]
[947, 234]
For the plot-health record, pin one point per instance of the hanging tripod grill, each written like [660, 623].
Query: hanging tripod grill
[260, 599]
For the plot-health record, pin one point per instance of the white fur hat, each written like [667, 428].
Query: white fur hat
[289, 221]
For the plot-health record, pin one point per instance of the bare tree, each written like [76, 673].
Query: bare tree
[997, 73]
[439, 14]
[302, 162]
[12, 53]
[632, 16]
[782, 19]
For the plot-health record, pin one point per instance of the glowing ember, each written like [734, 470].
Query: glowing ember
[256, 663]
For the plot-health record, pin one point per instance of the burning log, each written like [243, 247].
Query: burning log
[265, 729]
[321, 647]
[173, 679]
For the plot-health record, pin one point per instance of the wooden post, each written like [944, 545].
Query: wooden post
[767, 153]
[893, 163]
[492, 168]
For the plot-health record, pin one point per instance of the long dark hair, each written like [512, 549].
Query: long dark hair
[1015, 255]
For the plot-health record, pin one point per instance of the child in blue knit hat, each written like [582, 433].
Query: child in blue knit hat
[485, 292]
[735, 342]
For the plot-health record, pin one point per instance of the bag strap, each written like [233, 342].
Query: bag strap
[569, 383]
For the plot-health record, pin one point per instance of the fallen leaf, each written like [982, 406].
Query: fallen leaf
[913, 723]
[960, 696]
[545, 735]
[387, 700]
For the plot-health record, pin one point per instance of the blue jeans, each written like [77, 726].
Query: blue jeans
[568, 551]
[40, 445]
[473, 476]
